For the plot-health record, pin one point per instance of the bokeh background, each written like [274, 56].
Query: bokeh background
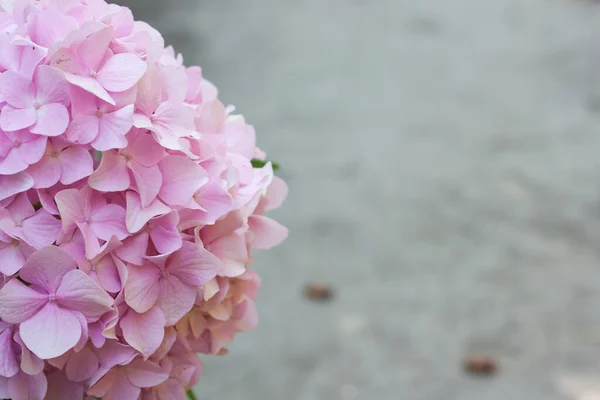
[443, 159]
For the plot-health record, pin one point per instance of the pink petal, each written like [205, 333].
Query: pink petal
[51, 332]
[123, 390]
[52, 120]
[45, 173]
[30, 363]
[165, 235]
[92, 244]
[112, 129]
[77, 163]
[142, 289]
[27, 387]
[12, 258]
[121, 72]
[79, 292]
[60, 388]
[182, 177]
[145, 374]
[49, 27]
[21, 208]
[145, 151]
[17, 90]
[33, 151]
[92, 50]
[90, 85]
[193, 264]
[83, 128]
[14, 184]
[112, 174]
[149, 93]
[4, 387]
[134, 248]
[70, 205]
[267, 233]
[148, 182]
[51, 86]
[9, 366]
[276, 193]
[41, 230]
[137, 216]
[82, 365]
[109, 221]
[144, 332]
[108, 273]
[12, 163]
[12, 119]
[176, 299]
[47, 267]
[19, 302]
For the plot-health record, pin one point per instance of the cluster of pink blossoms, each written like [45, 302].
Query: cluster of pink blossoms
[129, 208]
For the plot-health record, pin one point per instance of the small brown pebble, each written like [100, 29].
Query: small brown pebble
[223, 351]
[318, 291]
[480, 365]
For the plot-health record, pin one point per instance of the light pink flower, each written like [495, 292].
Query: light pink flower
[40, 105]
[170, 281]
[52, 310]
[18, 150]
[36, 228]
[88, 211]
[98, 123]
[90, 65]
[62, 162]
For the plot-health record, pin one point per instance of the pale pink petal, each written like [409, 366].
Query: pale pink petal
[144, 332]
[149, 93]
[4, 387]
[52, 120]
[111, 175]
[21, 208]
[108, 274]
[49, 27]
[83, 128]
[12, 119]
[51, 86]
[92, 244]
[12, 163]
[19, 302]
[9, 366]
[267, 233]
[134, 248]
[113, 128]
[193, 264]
[176, 299]
[51, 332]
[12, 258]
[82, 365]
[90, 85]
[41, 230]
[145, 151]
[92, 50]
[182, 178]
[77, 163]
[142, 289]
[79, 292]
[14, 184]
[70, 205]
[165, 236]
[33, 150]
[17, 90]
[27, 387]
[30, 363]
[121, 72]
[276, 193]
[145, 374]
[109, 221]
[45, 173]
[47, 267]
[148, 182]
[137, 216]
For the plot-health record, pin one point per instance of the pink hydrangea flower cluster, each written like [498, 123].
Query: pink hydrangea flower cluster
[131, 200]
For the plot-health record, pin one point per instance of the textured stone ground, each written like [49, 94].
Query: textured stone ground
[444, 165]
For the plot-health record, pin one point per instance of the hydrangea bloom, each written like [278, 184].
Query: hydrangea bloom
[131, 200]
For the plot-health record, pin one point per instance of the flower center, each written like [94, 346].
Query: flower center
[165, 275]
[93, 74]
[51, 297]
[17, 143]
[37, 105]
[99, 113]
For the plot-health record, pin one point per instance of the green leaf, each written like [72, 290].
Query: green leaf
[191, 395]
[256, 163]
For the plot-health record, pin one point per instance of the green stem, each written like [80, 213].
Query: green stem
[191, 395]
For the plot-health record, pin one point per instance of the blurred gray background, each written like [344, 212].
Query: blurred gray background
[443, 161]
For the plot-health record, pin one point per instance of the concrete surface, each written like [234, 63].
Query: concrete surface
[444, 165]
